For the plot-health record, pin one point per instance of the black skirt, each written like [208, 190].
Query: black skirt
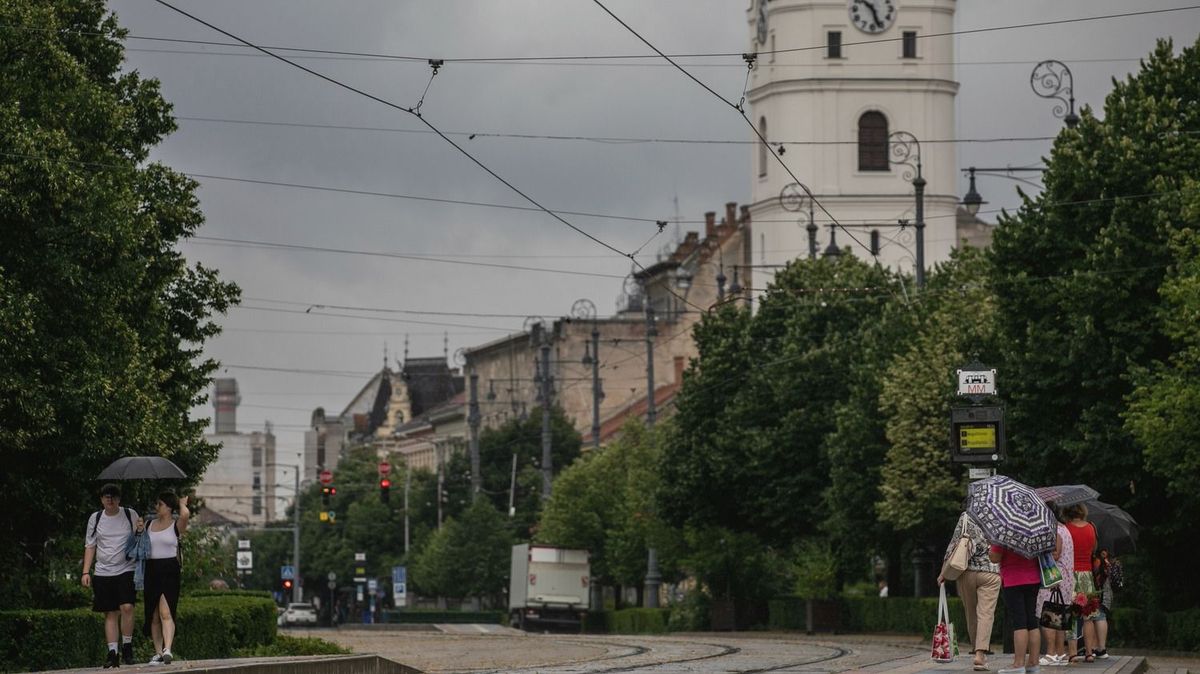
[162, 580]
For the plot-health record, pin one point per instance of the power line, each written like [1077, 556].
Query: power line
[586, 57]
[613, 140]
[315, 305]
[402, 256]
[243, 307]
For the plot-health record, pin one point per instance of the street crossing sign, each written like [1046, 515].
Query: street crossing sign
[287, 572]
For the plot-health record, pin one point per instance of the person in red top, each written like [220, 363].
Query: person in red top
[1083, 535]
[1020, 580]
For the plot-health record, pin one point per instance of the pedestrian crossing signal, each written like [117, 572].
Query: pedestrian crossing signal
[385, 488]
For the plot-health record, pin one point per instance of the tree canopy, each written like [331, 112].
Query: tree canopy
[102, 321]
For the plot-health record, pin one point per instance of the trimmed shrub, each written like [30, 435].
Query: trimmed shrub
[426, 617]
[628, 621]
[908, 615]
[289, 646]
[50, 639]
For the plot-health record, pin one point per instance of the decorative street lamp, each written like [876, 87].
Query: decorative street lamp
[1053, 79]
[972, 199]
[793, 197]
[905, 150]
[586, 310]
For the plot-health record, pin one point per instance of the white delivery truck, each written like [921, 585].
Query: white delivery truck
[548, 586]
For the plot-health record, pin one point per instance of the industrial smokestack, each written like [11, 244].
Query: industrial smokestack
[226, 400]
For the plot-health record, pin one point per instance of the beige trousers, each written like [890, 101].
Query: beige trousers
[979, 591]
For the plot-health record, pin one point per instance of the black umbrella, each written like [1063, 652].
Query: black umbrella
[1116, 529]
[141, 468]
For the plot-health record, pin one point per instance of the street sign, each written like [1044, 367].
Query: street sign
[372, 585]
[332, 576]
[331, 585]
[243, 544]
[245, 560]
[287, 572]
[399, 585]
[326, 477]
[323, 516]
[384, 467]
[978, 382]
[360, 556]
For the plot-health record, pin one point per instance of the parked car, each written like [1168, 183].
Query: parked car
[298, 614]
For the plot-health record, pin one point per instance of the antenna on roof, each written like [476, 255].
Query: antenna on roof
[385, 355]
[446, 346]
[405, 351]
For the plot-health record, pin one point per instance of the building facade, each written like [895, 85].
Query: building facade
[882, 75]
[239, 487]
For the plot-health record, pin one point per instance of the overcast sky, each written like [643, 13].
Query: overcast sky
[218, 90]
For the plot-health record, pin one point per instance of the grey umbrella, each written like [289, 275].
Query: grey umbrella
[141, 468]
[1067, 494]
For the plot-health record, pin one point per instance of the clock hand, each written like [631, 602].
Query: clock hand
[874, 12]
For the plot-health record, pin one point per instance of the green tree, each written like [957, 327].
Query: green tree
[1077, 272]
[102, 321]
[605, 503]
[749, 453]
[921, 492]
[468, 557]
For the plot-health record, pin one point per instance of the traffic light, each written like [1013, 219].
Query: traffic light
[328, 491]
[385, 488]
[286, 584]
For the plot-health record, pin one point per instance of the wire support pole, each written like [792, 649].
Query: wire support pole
[597, 394]
[905, 150]
[651, 333]
[547, 457]
[473, 421]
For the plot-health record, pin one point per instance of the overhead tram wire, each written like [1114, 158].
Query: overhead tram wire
[432, 127]
[596, 57]
[742, 114]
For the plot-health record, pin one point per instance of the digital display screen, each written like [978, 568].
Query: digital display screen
[977, 437]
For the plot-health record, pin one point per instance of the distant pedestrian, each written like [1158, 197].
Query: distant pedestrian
[1108, 574]
[883, 589]
[1083, 536]
[1056, 645]
[113, 593]
[157, 549]
[978, 587]
[1020, 578]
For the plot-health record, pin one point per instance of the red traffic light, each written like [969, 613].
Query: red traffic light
[333, 491]
[385, 483]
[287, 583]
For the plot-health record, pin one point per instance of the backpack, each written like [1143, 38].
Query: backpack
[96, 524]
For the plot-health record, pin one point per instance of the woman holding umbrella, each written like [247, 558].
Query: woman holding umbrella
[156, 547]
[1083, 536]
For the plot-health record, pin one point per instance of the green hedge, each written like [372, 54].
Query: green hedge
[426, 617]
[208, 627]
[628, 621]
[1179, 630]
[907, 615]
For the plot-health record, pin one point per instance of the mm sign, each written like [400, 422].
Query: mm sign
[976, 382]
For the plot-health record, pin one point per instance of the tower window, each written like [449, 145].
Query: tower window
[872, 141]
[909, 43]
[833, 44]
[762, 148]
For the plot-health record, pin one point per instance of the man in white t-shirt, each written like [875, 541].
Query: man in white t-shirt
[112, 582]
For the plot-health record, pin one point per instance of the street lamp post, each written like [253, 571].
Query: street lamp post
[906, 150]
[1053, 79]
[972, 199]
[473, 420]
[586, 309]
[793, 198]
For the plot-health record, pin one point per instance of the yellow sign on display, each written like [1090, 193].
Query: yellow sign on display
[977, 437]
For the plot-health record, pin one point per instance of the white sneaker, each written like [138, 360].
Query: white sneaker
[1060, 661]
[166, 657]
[1047, 660]
[156, 660]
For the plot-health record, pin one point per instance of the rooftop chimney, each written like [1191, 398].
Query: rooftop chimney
[731, 215]
[226, 400]
[710, 224]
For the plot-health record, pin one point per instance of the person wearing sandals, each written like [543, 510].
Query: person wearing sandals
[1107, 574]
[1020, 578]
[155, 546]
[1083, 536]
[978, 587]
[1056, 644]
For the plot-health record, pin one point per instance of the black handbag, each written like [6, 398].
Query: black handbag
[1056, 614]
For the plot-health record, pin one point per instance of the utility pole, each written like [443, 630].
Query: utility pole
[473, 420]
[651, 333]
[441, 473]
[407, 487]
[653, 577]
[547, 458]
[591, 356]
[296, 596]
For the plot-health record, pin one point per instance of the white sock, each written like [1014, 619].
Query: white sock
[112, 646]
[127, 639]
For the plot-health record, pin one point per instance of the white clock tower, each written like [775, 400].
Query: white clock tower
[843, 77]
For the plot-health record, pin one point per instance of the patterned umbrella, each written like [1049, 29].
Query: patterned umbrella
[1011, 514]
[1067, 494]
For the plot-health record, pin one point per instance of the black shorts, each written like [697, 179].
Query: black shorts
[110, 592]
[1020, 602]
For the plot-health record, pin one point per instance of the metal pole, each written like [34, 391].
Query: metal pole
[296, 596]
[512, 487]
[547, 458]
[407, 486]
[653, 579]
[651, 333]
[473, 421]
[919, 187]
[596, 394]
[812, 231]
[437, 456]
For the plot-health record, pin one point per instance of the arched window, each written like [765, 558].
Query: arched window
[872, 141]
[762, 148]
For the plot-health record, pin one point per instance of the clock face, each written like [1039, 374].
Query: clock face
[762, 21]
[872, 16]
